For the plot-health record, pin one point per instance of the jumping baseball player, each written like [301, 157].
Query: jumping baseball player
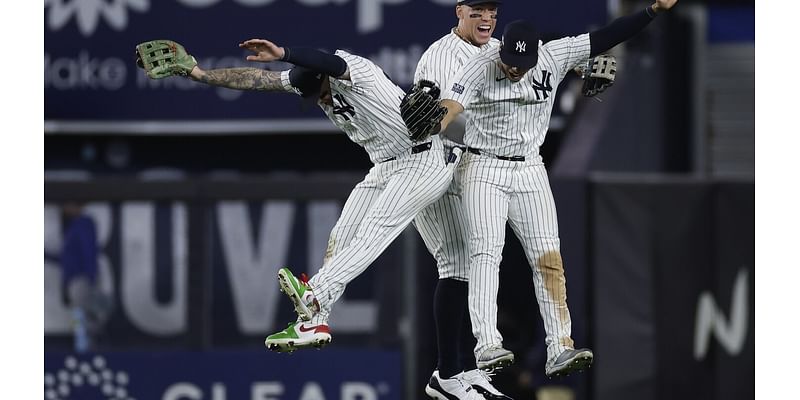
[360, 99]
[509, 92]
[406, 178]
[443, 226]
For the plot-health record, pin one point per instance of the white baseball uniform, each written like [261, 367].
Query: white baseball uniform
[442, 225]
[507, 181]
[406, 177]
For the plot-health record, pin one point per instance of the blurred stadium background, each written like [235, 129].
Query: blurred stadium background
[200, 194]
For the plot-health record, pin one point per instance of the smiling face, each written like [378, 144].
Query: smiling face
[476, 23]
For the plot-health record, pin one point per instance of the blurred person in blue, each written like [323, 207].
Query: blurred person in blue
[89, 307]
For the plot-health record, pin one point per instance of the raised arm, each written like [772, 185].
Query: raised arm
[266, 51]
[242, 78]
[165, 58]
[624, 28]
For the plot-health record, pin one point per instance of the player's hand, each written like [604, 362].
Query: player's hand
[663, 5]
[265, 50]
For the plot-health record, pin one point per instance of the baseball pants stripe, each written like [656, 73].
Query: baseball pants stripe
[406, 186]
[496, 191]
[532, 216]
[443, 228]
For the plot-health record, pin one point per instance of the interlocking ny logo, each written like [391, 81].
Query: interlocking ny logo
[521, 46]
[544, 86]
[342, 107]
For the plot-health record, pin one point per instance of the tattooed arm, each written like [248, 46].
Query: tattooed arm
[240, 78]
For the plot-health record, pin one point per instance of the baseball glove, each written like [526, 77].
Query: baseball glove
[163, 58]
[421, 110]
[598, 74]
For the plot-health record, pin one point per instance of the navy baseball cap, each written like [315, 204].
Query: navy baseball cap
[307, 81]
[475, 2]
[520, 46]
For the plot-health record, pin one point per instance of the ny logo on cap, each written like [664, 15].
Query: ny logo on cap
[521, 46]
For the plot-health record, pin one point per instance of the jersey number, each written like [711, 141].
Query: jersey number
[342, 107]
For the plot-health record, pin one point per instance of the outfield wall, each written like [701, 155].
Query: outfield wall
[659, 271]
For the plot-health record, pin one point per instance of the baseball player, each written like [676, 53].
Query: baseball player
[509, 92]
[442, 225]
[360, 99]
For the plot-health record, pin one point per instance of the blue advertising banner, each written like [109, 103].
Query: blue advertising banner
[369, 375]
[180, 275]
[92, 84]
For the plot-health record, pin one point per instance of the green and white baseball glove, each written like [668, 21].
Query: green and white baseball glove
[163, 58]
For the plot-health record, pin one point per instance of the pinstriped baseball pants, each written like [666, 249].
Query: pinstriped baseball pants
[495, 192]
[443, 228]
[381, 206]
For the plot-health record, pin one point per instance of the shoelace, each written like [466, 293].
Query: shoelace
[486, 374]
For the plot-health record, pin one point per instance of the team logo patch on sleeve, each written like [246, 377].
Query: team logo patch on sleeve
[458, 88]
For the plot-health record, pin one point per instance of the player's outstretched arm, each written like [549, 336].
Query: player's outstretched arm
[624, 28]
[240, 78]
[163, 58]
[266, 51]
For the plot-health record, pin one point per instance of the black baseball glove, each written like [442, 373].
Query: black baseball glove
[421, 110]
[598, 74]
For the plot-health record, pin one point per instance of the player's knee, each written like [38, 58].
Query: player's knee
[485, 260]
[550, 262]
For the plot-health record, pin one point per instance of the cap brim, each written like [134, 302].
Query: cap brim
[514, 60]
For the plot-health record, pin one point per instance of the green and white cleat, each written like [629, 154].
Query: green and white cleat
[301, 294]
[299, 335]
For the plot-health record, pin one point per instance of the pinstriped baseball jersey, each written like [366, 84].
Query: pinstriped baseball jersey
[442, 225]
[445, 56]
[366, 108]
[400, 184]
[511, 118]
[440, 62]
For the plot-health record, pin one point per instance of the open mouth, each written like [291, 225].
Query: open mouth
[484, 29]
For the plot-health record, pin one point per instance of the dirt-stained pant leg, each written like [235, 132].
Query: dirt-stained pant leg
[532, 216]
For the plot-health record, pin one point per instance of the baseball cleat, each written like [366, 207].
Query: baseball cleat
[298, 290]
[299, 335]
[569, 361]
[450, 389]
[495, 358]
[479, 380]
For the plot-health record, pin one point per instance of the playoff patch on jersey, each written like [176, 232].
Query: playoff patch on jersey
[458, 88]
